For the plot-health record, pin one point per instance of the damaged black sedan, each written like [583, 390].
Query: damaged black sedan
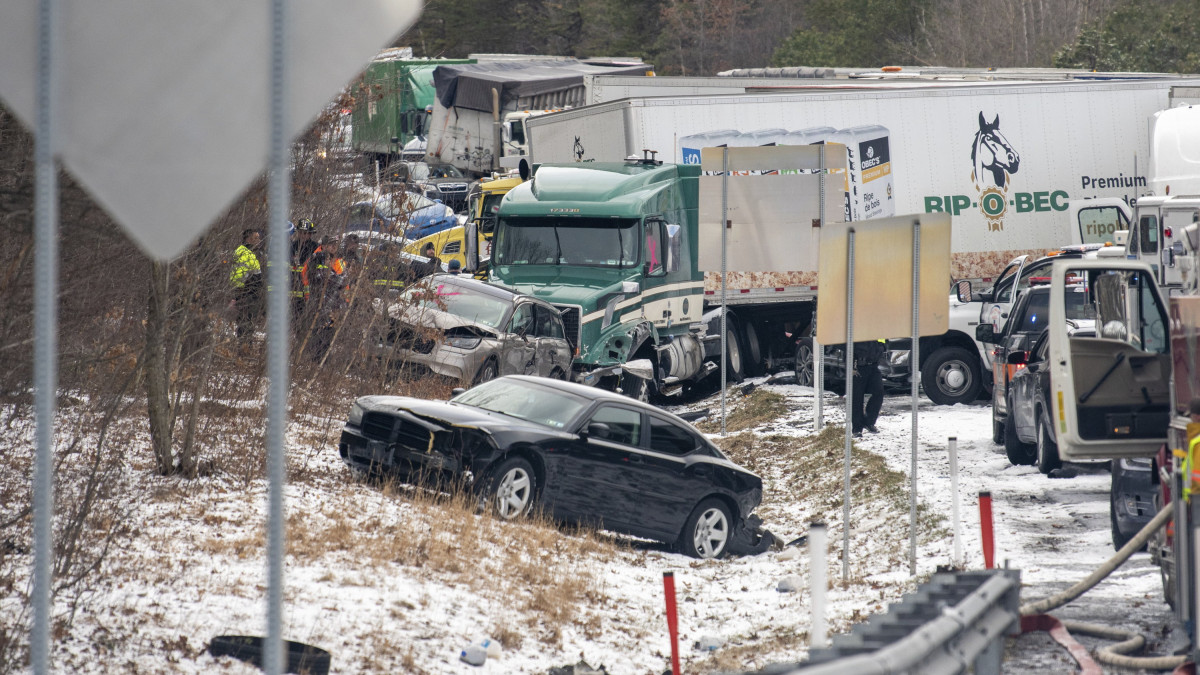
[584, 455]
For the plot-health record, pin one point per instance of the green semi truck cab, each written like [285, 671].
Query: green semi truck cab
[613, 246]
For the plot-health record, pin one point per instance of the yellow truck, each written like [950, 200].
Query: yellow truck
[471, 244]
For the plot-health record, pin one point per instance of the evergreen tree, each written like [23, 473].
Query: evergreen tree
[1155, 36]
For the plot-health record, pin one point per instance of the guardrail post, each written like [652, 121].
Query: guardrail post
[957, 560]
[818, 550]
[988, 661]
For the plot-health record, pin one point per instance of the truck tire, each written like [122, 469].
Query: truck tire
[997, 427]
[734, 361]
[951, 375]
[805, 363]
[753, 361]
[1047, 449]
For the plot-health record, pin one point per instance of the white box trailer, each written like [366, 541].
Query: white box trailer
[475, 103]
[1004, 159]
[604, 88]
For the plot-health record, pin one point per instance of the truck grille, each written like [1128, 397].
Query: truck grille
[378, 426]
[571, 315]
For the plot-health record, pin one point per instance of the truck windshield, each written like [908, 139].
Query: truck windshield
[600, 242]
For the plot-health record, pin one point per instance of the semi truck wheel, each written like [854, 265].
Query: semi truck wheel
[734, 366]
[753, 355]
[951, 375]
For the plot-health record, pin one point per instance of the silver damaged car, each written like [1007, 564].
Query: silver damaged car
[470, 331]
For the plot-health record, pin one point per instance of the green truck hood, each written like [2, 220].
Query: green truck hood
[560, 285]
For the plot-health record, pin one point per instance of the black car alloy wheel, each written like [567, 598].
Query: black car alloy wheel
[513, 487]
[706, 534]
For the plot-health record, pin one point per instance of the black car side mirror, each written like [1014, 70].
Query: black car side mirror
[985, 333]
[456, 391]
[596, 429]
[1017, 358]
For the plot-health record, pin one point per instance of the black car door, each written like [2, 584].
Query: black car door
[591, 472]
[669, 476]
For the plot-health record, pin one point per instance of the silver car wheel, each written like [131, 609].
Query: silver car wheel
[711, 533]
[513, 493]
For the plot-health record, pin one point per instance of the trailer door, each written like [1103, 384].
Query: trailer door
[1109, 391]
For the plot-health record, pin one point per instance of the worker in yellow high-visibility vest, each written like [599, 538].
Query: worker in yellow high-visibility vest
[1191, 458]
[246, 279]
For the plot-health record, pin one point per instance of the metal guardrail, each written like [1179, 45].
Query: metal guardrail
[954, 623]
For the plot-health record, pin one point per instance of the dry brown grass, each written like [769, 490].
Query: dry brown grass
[532, 563]
[760, 407]
[810, 469]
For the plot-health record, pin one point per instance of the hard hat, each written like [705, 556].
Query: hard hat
[306, 225]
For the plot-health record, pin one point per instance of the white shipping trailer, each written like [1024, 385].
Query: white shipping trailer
[1004, 159]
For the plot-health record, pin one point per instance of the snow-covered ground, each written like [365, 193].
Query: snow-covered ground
[375, 579]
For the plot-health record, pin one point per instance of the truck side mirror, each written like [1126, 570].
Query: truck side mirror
[964, 291]
[1017, 358]
[985, 333]
[674, 247]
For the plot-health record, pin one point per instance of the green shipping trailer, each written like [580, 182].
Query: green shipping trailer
[391, 103]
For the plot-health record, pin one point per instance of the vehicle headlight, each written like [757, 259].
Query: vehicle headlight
[356, 415]
[463, 341]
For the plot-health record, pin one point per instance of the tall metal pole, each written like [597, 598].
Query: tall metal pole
[45, 323]
[849, 400]
[818, 351]
[914, 358]
[724, 238]
[278, 284]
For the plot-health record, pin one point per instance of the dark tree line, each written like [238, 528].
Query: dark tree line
[703, 37]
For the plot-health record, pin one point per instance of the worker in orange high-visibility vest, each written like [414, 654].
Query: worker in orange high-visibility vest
[324, 281]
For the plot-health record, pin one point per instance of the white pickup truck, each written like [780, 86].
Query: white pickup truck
[955, 367]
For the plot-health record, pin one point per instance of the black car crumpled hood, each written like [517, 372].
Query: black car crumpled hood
[447, 414]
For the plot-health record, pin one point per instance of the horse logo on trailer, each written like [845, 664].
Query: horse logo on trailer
[994, 160]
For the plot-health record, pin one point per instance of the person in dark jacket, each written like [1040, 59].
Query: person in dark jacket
[433, 266]
[868, 381]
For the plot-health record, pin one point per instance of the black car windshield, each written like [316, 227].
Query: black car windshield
[551, 407]
[601, 242]
[460, 301]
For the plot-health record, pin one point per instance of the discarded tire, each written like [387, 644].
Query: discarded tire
[302, 659]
